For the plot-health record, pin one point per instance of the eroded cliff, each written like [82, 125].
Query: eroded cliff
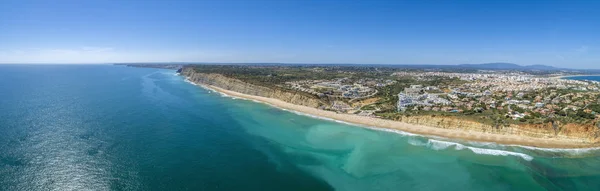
[585, 133]
[221, 81]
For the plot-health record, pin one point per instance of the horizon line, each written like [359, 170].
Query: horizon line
[288, 63]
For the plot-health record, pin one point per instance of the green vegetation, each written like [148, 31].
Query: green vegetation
[270, 76]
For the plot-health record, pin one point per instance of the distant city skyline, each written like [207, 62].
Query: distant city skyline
[562, 34]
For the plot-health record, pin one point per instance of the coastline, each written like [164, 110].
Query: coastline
[389, 125]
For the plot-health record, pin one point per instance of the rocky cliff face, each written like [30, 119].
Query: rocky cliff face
[574, 132]
[221, 81]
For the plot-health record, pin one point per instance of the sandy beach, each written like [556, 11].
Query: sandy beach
[372, 122]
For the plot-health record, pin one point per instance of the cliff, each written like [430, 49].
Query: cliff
[585, 133]
[236, 85]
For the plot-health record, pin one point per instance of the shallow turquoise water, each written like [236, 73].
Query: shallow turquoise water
[104, 127]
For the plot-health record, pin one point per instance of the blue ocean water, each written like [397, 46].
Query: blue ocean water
[103, 127]
[593, 78]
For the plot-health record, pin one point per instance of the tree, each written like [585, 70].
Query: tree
[517, 109]
[584, 115]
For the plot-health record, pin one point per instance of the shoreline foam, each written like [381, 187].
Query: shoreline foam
[402, 128]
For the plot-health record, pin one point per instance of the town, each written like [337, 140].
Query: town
[518, 96]
[341, 88]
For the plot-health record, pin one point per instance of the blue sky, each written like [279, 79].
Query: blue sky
[557, 33]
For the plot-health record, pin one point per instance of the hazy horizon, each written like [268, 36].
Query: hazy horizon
[282, 63]
[553, 33]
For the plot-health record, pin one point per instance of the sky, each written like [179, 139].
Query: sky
[549, 32]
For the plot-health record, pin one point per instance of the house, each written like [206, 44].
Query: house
[539, 104]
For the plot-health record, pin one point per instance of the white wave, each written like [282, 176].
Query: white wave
[485, 144]
[441, 145]
[557, 150]
[210, 90]
[499, 153]
[188, 81]
[416, 142]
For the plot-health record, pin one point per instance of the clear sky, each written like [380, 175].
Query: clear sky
[557, 33]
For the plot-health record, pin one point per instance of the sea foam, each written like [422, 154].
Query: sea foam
[499, 153]
[558, 150]
[210, 90]
[441, 145]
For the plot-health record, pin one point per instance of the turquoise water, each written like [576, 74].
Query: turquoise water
[102, 127]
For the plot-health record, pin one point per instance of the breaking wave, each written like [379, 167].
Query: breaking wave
[188, 81]
[557, 150]
[441, 145]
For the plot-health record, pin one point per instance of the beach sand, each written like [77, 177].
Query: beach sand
[372, 122]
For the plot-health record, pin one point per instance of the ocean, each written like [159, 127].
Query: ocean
[105, 127]
[593, 78]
